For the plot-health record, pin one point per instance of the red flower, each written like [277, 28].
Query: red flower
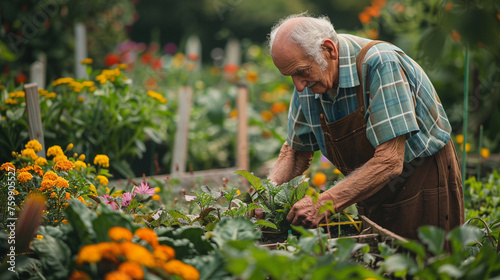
[156, 65]
[231, 68]
[146, 58]
[111, 59]
[21, 78]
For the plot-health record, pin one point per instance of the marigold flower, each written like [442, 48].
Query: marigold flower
[81, 157]
[364, 17]
[62, 183]
[278, 107]
[11, 101]
[70, 147]
[485, 153]
[110, 250]
[238, 192]
[86, 61]
[455, 36]
[233, 114]
[55, 150]
[156, 197]
[132, 269]
[136, 253]
[252, 77]
[319, 179]
[163, 253]
[157, 96]
[29, 153]
[35, 145]
[8, 167]
[79, 165]
[41, 161]
[266, 115]
[64, 165]
[93, 189]
[467, 147]
[120, 234]
[67, 196]
[117, 275]
[147, 235]
[102, 160]
[50, 175]
[79, 275]
[102, 180]
[459, 138]
[53, 195]
[24, 177]
[337, 171]
[185, 271]
[47, 185]
[17, 94]
[89, 254]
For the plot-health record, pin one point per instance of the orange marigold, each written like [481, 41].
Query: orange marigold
[41, 161]
[8, 167]
[64, 165]
[185, 271]
[278, 107]
[24, 177]
[62, 183]
[117, 275]
[89, 254]
[266, 115]
[147, 235]
[164, 253]
[34, 144]
[47, 184]
[55, 150]
[132, 269]
[29, 153]
[67, 196]
[136, 253]
[110, 250]
[79, 275]
[120, 234]
[50, 175]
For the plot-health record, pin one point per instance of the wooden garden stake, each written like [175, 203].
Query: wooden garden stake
[181, 136]
[35, 129]
[80, 50]
[242, 139]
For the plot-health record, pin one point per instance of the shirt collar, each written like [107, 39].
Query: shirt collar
[348, 75]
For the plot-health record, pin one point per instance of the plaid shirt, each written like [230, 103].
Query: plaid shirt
[403, 101]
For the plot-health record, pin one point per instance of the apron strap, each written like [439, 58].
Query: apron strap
[359, 66]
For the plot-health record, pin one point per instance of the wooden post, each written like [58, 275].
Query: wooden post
[181, 136]
[80, 50]
[35, 129]
[242, 161]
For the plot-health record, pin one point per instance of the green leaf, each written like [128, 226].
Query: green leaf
[327, 206]
[255, 181]
[433, 237]
[463, 236]
[400, 265]
[412, 246]
[432, 44]
[16, 114]
[80, 218]
[109, 218]
[25, 268]
[313, 194]
[54, 255]
[238, 228]
[123, 168]
[266, 224]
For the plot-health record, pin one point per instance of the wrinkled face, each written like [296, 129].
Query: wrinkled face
[292, 61]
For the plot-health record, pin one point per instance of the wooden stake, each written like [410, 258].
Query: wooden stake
[242, 161]
[181, 136]
[35, 128]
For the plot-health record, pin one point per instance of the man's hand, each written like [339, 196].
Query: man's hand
[305, 212]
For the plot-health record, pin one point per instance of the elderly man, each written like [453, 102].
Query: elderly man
[378, 120]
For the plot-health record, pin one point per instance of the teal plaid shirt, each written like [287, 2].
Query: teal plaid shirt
[403, 101]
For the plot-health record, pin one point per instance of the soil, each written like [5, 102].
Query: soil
[271, 237]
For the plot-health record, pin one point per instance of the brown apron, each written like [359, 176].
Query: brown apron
[428, 191]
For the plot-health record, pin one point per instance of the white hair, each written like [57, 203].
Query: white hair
[308, 34]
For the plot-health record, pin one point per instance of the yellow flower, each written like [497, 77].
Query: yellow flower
[79, 165]
[337, 171]
[24, 177]
[67, 196]
[136, 253]
[41, 161]
[467, 147]
[266, 115]
[17, 94]
[61, 81]
[147, 235]
[64, 165]
[29, 153]
[89, 254]
[157, 96]
[50, 175]
[117, 193]
[93, 189]
[132, 269]
[485, 153]
[252, 77]
[102, 160]
[110, 250]
[11, 101]
[8, 167]
[103, 180]
[59, 158]
[35, 145]
[81, 99]
[238, 192]
[156, 197]
[55, 150]
[157, 190]
[62, 183]
[120, 233]
[233, 114]
[319, 179]
[69, 147]
[122, 66]
[16, 192]
[459, 139]
[86, 61]
[185, 271]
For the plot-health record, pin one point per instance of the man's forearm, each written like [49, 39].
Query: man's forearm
[290, 164]
[386, 164]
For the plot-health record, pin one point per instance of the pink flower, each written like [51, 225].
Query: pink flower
[126, 198]
[189, 197]
[108, 200]
[144, 189]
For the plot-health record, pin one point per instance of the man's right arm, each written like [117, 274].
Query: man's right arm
[290, 164]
